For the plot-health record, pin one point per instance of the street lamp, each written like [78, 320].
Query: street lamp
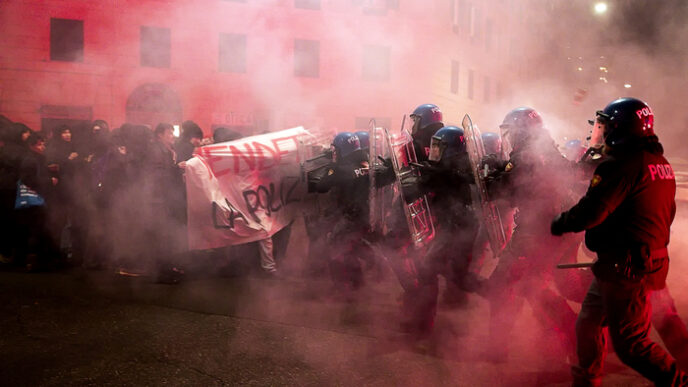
[600, 8]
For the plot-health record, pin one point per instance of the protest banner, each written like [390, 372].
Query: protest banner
[245, 190]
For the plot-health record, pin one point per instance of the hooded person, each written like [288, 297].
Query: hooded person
[12, 153]
[190, 138]
[35, 243]
[68, 213]
[95, 141]
[165, 199]
[61, 151]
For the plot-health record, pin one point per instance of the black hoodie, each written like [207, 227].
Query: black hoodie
[11, 156]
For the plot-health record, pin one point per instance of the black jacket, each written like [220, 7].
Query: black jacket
[349, 182]
[35, 174]
[449, 191]
[11, 156]
[184, 149]
[629, 203]
[537, 181]
[164, 177]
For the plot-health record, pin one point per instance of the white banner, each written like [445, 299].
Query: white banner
[245, 190]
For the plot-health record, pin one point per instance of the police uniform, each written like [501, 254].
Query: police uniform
[450, 252]
[535, 182]
[348, 183]
[574, 284]
[626, 212]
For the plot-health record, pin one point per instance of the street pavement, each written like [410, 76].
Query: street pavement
[78, 327]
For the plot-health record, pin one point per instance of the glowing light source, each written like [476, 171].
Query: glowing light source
[580, 69]
[604, 69]
[603, 79]
[627, 85]
[175, 132]
[600, 8]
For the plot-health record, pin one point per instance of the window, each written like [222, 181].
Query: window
[307, 4]
[457, 10]
[392, 4]
[67, 40]
[375, 63]
[376, 7]
[306, 58]
[76, 117]
[454, 82]
[232, 53]
[363, 123]
[488, 35]
[486, 95]
[155, 47]
[469, 85]
[473, 22]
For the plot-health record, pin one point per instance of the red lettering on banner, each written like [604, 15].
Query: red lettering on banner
[259, 148]
[249, 157]
[207, 152]
[276, 142]
[256, 156]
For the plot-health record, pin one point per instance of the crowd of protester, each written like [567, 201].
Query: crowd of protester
[106, 198]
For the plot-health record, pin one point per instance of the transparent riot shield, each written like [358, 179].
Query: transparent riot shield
[380, 198]
[488, 208]
[417, 213]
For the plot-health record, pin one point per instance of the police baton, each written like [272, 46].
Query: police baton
[580, 265]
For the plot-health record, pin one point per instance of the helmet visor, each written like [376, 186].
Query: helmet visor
[436, 149]
[335, 156]
[416, 124]
[599, 126]
[506, 131]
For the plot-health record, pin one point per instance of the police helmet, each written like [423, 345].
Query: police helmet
[492, 143]
[364, 139]
[427, 119]
[518, 125]
[626, 120]
[447, 143]
[522, 119]
[344, 145]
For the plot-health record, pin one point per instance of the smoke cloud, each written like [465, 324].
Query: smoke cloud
[557, 57]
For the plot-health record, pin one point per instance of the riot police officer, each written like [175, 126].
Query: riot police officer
[534, 183]
[427, 120]
[492, 143]
[447, 175]
[347, 180]
[626, 212]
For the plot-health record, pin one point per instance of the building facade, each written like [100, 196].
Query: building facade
[253, 65]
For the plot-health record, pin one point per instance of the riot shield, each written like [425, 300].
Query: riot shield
[417, 213]
[488, 208]
[379, 198]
